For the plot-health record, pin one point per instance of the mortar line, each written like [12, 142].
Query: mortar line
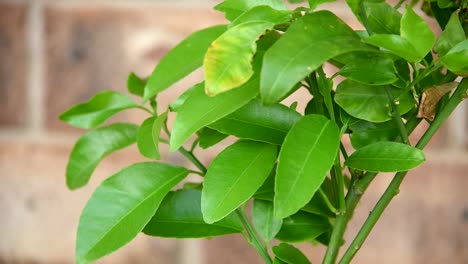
[34, 90]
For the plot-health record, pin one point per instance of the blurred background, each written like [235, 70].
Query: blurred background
[56, 53]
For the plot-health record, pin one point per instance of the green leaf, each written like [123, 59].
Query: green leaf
[452, 35]
[234, 8]
[314, 3]
[365, 133]
[200, 110]
[234, 176]
[227, 63]
[302, 227]
[180, 216]
[370, 103]
[92, 147]
[186, 57]
[396, 44]
[121, 207]
[265, 223]
[174, 106]
[148, 136]
[385, 157]
[209, 137]
[263, 13]
[278, 261]
[456, 60]
[289, 254]
[135, 84]
[414, 29]
[383, 18]
[309, 42]
[307, 154]
[257, 122]
[97, 110]
[371, 70]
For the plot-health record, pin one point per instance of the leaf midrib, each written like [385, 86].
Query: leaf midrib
[133, 209]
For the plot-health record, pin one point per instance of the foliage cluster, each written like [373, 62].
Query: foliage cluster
[291, 165]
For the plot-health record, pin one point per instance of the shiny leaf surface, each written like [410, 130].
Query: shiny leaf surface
[370, 70]
[417, 32]
[452, 35]
[385, 157]
[180, 216]
[92, 147]
[234, 8]
[200, 110]
[234, 176]
[228, 61]
[121, 207]
[265, 223]
[365, 133]
[370, 103]
[209, 137]
[302, 227]
[97, 110]
[263, 13]
[183, 59]
[289, 254]
[257, 122]
[305, 158]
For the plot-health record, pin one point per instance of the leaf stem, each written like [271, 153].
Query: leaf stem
[340, 184]
[357, 188]
[252, 238]
[189, 155]
[398, 5]
[327, 201]
[393, 189]
[397, 117]
[145, 109]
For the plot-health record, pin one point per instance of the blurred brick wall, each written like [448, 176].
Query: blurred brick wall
[57, 53]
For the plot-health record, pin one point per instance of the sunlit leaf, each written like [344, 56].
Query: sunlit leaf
[121, 206]
[183, 59]
[306, 156]
[234, 8]
[309, 42]
[234, 176]
[265, 223]
[385, 157]
[228, 61]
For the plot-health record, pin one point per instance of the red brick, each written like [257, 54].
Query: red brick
[13, 66]
[93, 48]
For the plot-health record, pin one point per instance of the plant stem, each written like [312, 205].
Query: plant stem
[398, 5]
[253, 239]
[356, 190]
[393, 189]
[145, 109]
[365, 21]
[397, 117]
[189, 155]
[327, 201]
[340, 184]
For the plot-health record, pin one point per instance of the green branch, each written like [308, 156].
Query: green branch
[393, 189]
[253, 239]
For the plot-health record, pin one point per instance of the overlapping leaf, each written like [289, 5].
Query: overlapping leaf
[305, 158]
[234, 176]
[228, 61]
[385, 157]
[180, 216]
[265, 223]
[200, 110]
[121, 206]
[257, 122]
[289, 254]
[181, 60]
[309, 42]
[370, 103]
[302, 227]
[234, 8]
